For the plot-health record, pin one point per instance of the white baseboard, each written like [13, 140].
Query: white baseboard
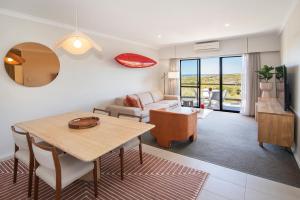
[297, 159]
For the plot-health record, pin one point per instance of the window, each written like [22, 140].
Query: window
[214, 82]
[189, 81]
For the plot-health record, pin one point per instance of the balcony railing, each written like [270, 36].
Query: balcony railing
[230, 101]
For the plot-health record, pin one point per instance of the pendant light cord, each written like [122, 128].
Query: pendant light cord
[76, 19]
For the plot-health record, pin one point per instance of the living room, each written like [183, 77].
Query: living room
[175, 63]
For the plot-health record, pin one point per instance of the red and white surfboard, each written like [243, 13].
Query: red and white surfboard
[132, 60]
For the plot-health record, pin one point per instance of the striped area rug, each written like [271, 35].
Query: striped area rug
[155, 179]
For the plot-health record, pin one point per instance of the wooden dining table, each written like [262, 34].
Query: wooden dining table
[85, 144]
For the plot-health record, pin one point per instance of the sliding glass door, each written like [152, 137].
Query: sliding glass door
[213, 82]
[210, 83]
[231, 83]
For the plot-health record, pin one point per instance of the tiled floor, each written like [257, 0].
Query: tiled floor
[228, 184]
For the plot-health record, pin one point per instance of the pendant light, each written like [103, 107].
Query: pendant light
[77, 42]
[13, 59]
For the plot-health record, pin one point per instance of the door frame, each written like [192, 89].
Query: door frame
[221, 83]
[198, 84]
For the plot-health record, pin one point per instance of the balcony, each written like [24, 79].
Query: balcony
[210, 96]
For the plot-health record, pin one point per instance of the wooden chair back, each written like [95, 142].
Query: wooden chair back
[47, 156]
[43, 155]
[101, 111]
[22, 139]
[130, 117]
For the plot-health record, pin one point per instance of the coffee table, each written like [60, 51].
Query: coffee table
[174, 124]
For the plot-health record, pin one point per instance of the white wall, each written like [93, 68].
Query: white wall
[83, 82]
[263, 43]
[290, 41]
[268, 45]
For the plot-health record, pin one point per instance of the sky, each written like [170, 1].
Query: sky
[211, 66]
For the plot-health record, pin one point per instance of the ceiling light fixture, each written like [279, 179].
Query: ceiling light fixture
[13, 59]
[77, 42]
[10, 59]
[159, 36]
[226, 25]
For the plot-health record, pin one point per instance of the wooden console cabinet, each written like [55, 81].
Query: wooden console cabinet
[275, 126]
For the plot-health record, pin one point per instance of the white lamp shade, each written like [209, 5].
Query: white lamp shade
[173, 75]
[77, 43]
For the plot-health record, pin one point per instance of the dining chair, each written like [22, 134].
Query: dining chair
[101, 111]
[130, 144]
[59, 171]
[24, 153]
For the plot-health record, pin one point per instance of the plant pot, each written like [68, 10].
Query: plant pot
[266, 88]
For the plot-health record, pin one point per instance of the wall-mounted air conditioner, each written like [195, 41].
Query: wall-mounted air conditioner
[207, 46]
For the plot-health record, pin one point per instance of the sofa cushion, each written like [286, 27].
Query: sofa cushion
[115, 110]
[154, 106]
[170, 103]
[157, 95]
[71, 170]
[120, 101]
[145, 98]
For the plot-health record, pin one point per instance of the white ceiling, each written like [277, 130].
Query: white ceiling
[177, 21]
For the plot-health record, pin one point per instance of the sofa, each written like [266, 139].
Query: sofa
[150, 101]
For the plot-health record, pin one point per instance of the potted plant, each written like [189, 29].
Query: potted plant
[279, 73]
[265, 74]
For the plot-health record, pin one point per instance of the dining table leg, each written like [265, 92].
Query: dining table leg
[122, 162]
[90, 176]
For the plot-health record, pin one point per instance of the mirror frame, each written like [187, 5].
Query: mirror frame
[14, 58]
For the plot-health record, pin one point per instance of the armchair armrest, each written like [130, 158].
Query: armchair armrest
[116, 109]
[171, 97]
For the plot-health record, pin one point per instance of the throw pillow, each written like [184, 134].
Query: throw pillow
[133, 102]
[125, 102]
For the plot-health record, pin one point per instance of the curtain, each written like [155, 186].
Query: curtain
[173, 84]
[250, 83]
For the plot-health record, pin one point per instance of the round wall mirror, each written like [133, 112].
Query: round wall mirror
[31, 64]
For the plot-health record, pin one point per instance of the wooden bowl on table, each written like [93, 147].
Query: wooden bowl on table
[84, 122]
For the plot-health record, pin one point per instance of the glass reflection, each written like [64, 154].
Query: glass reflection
[31, 64]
